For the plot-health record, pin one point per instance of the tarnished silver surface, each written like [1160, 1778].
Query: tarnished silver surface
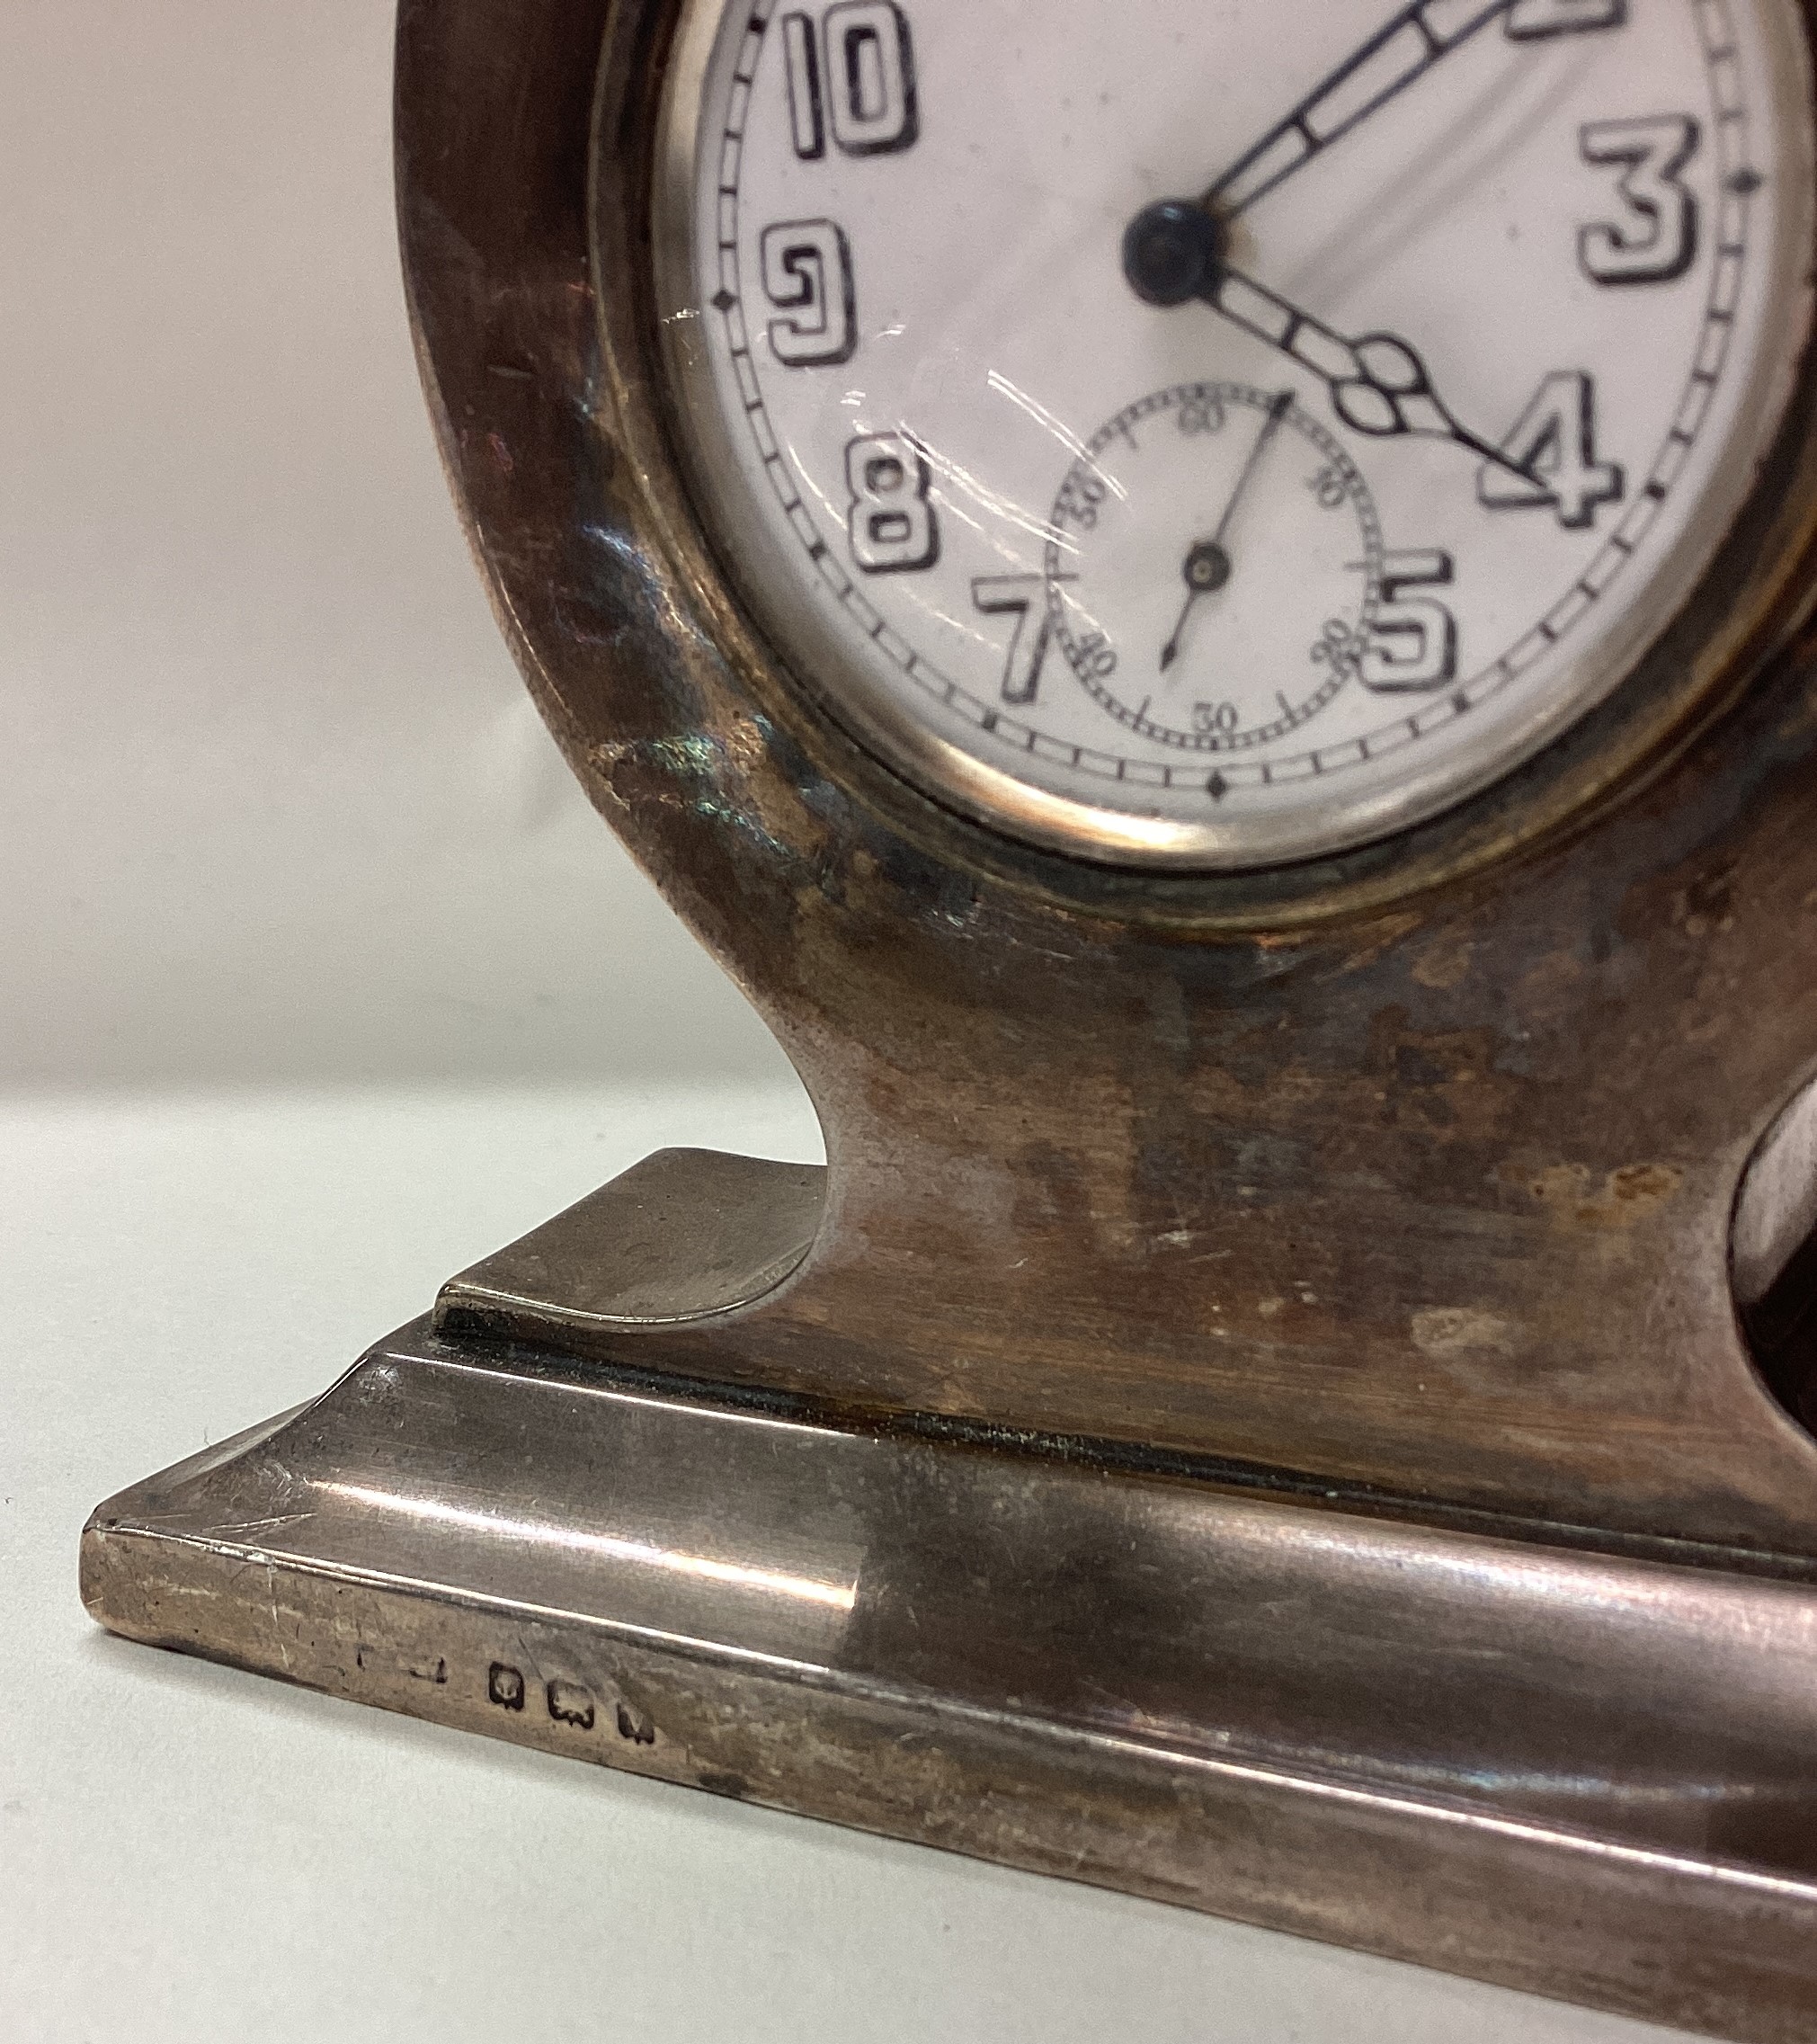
[1581, 1774]
[682, 1236]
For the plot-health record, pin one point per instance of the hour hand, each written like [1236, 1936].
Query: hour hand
[1378, 384]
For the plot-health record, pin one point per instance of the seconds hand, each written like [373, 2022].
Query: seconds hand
[1207, 566]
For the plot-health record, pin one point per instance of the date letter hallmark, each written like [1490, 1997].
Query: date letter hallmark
[570, 1704]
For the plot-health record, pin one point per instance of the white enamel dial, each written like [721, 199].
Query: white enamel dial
[1213, 435]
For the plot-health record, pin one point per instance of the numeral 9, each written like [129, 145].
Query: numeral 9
[807, 270]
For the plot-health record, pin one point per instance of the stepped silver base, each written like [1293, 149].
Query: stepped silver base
[1589, 1777]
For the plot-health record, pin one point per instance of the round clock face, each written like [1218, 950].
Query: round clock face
[1218, 434]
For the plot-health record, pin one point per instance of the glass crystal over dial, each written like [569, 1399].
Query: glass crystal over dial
[1219, 435]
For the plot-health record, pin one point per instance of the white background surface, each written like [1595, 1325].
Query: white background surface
[318, 982]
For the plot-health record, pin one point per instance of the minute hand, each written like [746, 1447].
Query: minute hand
[1378, 383]
[1402, 51]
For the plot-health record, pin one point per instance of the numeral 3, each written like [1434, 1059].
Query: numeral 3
[1658, 240]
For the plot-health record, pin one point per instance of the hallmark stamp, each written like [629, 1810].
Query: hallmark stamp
[570, 1704]
[504, 1686]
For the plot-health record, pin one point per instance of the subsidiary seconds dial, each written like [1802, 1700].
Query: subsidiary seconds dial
[1176, 441]
[1213, 569]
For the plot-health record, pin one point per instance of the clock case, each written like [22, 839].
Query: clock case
[1255, 1410]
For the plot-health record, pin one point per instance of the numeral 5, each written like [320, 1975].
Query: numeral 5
[1412, 641]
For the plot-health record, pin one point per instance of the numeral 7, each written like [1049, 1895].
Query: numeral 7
[1017, 596]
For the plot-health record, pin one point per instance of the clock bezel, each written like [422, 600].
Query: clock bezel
[1757, 587]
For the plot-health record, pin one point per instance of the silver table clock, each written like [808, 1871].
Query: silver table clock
[1207, 608]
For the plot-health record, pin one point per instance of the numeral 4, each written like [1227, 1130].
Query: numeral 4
[1411, 644]
[1531, 21]
[807, 271]
[1657, 239]
[891, 524]
[1554, 442]
[859, 71]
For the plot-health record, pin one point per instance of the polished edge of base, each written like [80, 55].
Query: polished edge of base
[194, 1561]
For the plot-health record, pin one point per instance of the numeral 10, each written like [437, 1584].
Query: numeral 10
[858, 74]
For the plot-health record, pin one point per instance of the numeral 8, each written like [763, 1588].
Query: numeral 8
[891, 522]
